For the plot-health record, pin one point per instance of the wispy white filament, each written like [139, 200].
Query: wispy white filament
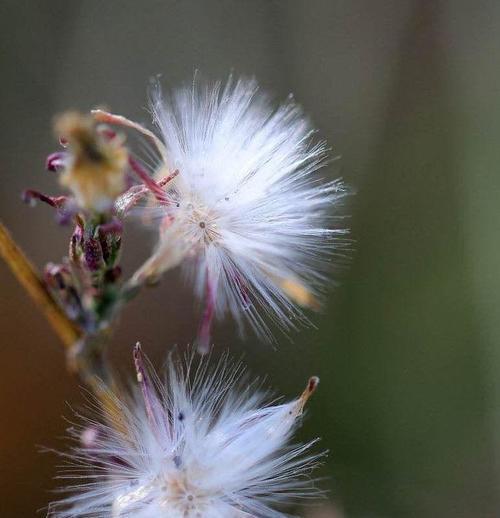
[204, 444]
[247, 214]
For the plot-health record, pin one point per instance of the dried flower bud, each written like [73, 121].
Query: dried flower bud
[95, 169]
[93, 254]
[61, 282]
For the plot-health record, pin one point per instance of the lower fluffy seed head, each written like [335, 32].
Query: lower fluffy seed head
[200, 445]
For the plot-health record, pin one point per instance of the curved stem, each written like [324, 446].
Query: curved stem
[29, 278]
[85, 353]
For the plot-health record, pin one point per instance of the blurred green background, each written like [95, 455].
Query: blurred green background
[408, 348]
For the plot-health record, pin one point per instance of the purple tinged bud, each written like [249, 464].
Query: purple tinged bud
[65, 216]
[59, 279]
[75, 244]
[63, 205]
[56, 161]
[115, 226]
[31, 197]
[28, 198]
[109, 235]
[57, 276]
[93, 254]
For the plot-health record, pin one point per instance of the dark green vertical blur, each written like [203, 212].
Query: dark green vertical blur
[410, 435]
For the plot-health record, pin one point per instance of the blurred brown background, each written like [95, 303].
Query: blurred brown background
[408, 348]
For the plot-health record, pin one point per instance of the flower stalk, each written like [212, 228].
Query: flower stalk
[80, 295]
[28, 277]
[84, 358]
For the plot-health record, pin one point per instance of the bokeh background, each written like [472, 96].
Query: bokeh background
[408, 347]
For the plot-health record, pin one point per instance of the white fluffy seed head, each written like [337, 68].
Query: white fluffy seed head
[202, 444]
[239, 202]
[247, 204]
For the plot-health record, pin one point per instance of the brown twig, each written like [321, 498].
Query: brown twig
[29, 278]
[68, 332]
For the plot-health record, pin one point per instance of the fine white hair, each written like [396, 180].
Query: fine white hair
[204, 443]
[246, 204]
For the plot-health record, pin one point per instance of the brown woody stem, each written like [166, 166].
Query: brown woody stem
[29, 278]
[90, 363]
